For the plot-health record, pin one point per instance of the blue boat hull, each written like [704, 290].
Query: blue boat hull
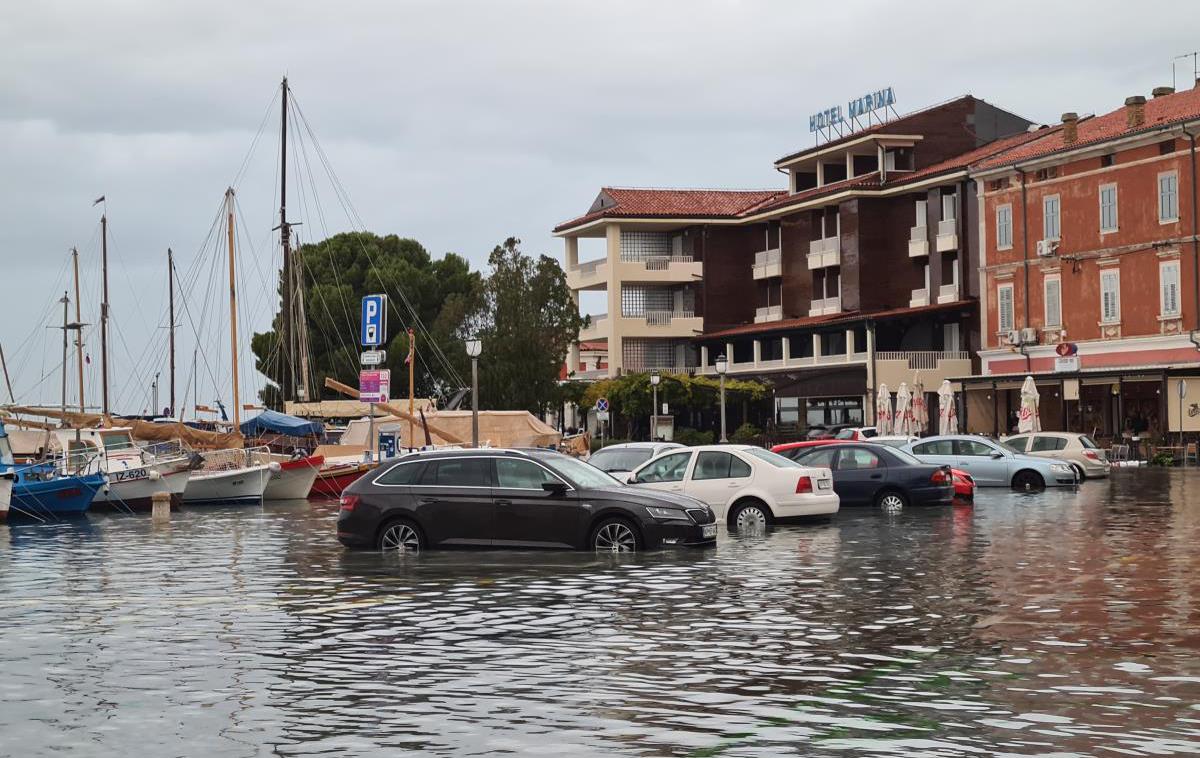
[63, 496]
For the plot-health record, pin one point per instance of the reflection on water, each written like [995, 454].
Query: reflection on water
[1057, 624]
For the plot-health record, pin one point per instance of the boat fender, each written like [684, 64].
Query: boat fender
[155, 475]
[275, 467]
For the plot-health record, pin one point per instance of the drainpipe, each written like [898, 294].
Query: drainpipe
[1195, 244]
[1025, 260]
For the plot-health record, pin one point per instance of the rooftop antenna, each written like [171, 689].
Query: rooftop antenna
[1195, 66]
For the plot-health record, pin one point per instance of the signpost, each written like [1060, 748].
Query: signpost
[602, 416]
[374, 386]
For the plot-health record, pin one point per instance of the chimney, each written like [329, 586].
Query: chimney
[1070, 122]
[1135, 111]
[1160, 91]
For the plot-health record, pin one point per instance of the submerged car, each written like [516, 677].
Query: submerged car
[746, 486]
[623, 458]
[512, 498]
[991, 464]
[964, 483]
[1076, 450]
[869, 474]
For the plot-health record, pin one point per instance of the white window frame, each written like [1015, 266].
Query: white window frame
[1001, 210]
[1174, 175]
[1116, 217]
[1002, 327]
[1168, 272]
[1113, 275]
[1056, 280]
[922, 213]
[949, 206]
[1047, 232]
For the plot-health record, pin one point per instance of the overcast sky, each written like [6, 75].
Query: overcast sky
[458, 124]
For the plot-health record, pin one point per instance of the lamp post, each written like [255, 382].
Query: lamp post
[474, 348]
[722, 367]
[654, 380]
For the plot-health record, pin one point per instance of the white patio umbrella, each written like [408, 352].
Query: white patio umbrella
[1028, 418]
[904, 418]
[947, 413]
[883, 409]
[919, 406]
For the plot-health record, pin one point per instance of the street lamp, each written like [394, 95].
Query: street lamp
[654, 380]
[474, 348]
[722, 367]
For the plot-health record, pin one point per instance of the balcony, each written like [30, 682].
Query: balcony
[918, 242]
[826, 252]
[588, 276]
[660, 269]
[792, 362]
[825, 306]
[767, 264]
[675, 323]
[597, 329]
[893, 367]
[770, 313]
[948, 293]
[947, 236]
[919, 297]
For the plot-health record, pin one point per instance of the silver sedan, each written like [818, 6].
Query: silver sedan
[991, 464]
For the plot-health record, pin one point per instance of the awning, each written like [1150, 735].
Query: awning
[273, 422]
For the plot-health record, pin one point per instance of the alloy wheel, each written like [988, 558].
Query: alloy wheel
[401, 538]
[891, 503]
[751, 519]
[615, 537]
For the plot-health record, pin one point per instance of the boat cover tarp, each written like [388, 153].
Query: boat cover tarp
[274, 422]
[147, 431]
[496, 429]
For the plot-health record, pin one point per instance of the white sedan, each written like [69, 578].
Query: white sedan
[746, 486]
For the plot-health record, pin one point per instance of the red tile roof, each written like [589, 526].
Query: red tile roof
[831, 319]
[969, 158]
[673, 203]
[1165, 110]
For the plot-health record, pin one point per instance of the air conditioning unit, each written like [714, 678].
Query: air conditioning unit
[1046, 248]
[1014, 337]
[1029, 336]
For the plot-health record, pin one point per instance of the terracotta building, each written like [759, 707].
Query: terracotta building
[1090, 250]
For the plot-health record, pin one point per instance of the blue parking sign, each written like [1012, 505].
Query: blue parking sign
[374, 320]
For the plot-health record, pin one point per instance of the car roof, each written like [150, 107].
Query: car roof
[474, 452]
[639, 445]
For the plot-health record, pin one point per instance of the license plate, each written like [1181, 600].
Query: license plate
[709, 530]
[824, 484]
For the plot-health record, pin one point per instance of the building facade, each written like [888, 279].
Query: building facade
[863, 269]
[1089, 268]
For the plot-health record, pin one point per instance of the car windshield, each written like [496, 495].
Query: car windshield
[775, 459]
[577, 472]
[620, 459]
[906, 456]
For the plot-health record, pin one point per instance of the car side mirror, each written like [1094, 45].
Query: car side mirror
[554, 488]
[631, 479]
[997, 454]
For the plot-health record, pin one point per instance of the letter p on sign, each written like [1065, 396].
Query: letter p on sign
[374, 320]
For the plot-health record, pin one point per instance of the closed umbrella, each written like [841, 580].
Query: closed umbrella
[883, 409]
[947, 413]
[1028, 419]
[920, 407]
[903, 424]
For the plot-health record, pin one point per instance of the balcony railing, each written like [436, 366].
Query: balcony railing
[825, 306]
[588, 275]
[925, 360]
[919, 297]
[947, 236]
[596, 329]
[662, 368]
[825, 252]
[664, 318]
[767, 263]
[947, 293]
[663, 262]
[769, 313]
[918, 241]
[591, 267]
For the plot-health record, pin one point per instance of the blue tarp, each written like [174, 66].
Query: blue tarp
[272, 422]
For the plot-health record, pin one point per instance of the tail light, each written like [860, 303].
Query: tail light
[348, 502]
[804, 485]
[1092, 454]
[941, 476]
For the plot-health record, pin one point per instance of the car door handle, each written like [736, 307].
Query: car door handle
[876, 476]
[504, 503]
[734, 484]
[426, 501]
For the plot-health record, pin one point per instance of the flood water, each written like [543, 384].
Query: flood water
[1060, 624]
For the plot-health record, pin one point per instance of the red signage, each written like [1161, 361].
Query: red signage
[1067, 348]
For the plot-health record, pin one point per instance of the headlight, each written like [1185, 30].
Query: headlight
[667, 514]
[1060, 468]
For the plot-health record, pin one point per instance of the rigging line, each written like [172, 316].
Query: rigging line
[212, 261]
[17, 357]
[254, 142]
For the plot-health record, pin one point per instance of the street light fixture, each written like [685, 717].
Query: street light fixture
[722, 367]
[654, 380]
[474, 348]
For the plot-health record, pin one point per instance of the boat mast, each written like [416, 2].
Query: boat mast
[104, 314]
[171, 321]
[287, 377]
[79, 333]
[7, 382]
[237, 408]
[65, 300]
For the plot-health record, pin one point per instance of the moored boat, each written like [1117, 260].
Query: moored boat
[227, 476]
[134, 474]
[39, 490]
[292, 478]
[331, 480]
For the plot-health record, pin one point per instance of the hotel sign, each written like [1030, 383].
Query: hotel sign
[834, 116]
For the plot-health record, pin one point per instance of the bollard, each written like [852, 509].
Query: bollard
[160, 506]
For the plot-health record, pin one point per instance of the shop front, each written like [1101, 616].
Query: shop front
[820, 398]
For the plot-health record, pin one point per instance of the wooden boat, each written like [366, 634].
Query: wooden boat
[332, 480]
[40, 490]
[134, 474]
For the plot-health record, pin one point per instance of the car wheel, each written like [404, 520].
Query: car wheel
[1080, 474]
[614, 535]
[751, 517]
[891, 501]
[401, 537]
[1026, 481]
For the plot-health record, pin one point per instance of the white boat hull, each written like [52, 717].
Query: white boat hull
[291, 483]
[248, 483]
[135, 488]
[5, 497]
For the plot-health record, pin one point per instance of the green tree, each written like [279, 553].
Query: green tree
[526, 322]
[438, 294]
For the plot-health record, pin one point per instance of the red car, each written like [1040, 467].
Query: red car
[964, 485]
